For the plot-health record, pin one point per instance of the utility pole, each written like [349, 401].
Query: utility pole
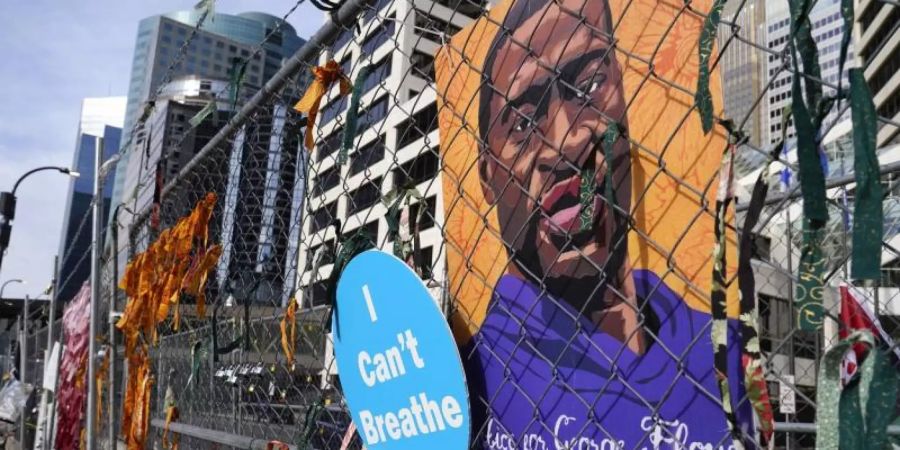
[100, 171]
[91, 429]
[23, 365]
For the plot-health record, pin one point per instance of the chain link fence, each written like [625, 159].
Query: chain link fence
[283, 213]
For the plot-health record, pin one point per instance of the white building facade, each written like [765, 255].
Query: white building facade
[827, 26]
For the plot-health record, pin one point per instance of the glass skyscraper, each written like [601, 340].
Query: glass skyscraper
[100, 118]
[222, 41]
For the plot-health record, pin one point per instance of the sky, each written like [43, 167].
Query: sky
[55, 54]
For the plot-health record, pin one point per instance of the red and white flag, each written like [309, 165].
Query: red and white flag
[857, 314]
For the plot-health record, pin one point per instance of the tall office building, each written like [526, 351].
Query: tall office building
[100, 118]
[827, 31]
[743, 70]
[743, 66]
[259, 179]
[877, 32]
[222, 42]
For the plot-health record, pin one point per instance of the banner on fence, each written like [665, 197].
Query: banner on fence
[577, 184]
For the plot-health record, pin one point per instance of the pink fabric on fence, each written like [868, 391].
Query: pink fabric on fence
[72, 390]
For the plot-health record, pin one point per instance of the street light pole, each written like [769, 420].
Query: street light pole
[14, 280]
[8, 205]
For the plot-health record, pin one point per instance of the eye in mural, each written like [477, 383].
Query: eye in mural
[579, 237]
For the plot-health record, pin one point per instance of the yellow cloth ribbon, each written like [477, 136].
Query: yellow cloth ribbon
[289, 338]
[100, 378]
[323, 78]
[171, 416]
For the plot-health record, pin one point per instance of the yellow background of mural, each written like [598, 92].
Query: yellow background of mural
[657, 48]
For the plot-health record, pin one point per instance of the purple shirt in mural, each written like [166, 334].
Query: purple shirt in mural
[552, 382]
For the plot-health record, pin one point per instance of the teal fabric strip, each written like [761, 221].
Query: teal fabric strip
[588, 187]
[805, 45]
[855, 417]
[703, 98]
[828, 397]
[868, 215]
[586, 191]
[878, 392]
[353, 114]
[808, 114]
[349, 247]
[847, 30]
[812, 178]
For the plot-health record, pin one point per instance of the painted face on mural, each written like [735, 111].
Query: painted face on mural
[551, 100]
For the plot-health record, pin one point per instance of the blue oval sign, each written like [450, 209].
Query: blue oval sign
[398, 363]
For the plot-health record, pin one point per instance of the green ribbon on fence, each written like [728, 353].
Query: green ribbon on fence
[754, 374]
[353, 114]
[805, 45]
[208, 7]
[238, 69]
[588, 187]
[718, 293]
[703, 98]
[395, 201]
[353, 245]
[808, 114]
[868, 216]
[198, 353]
[857, 416]
[309, 425]
[203, 114]
[586, 191]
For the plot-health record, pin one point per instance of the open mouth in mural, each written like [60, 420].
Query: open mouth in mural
[562, 212]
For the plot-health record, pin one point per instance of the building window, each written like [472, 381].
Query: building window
[421, 169]
[327, 254]
[368, 155]
[333, 109]
[378, 74]
[428, 215]
[423, 65]
[373, 114]
[419, 125]
[378, 6]
[364, 197]
[319, 294]
[432, 28]
[342, 40]
[347, 65]
[329, 145]
[326, 180]
[323, 217]
[424, 262]
[381, 35]
[370, 229]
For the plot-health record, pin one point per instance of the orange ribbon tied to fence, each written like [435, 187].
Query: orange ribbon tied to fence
[324, 77]
[176, 264]
[289, 331]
